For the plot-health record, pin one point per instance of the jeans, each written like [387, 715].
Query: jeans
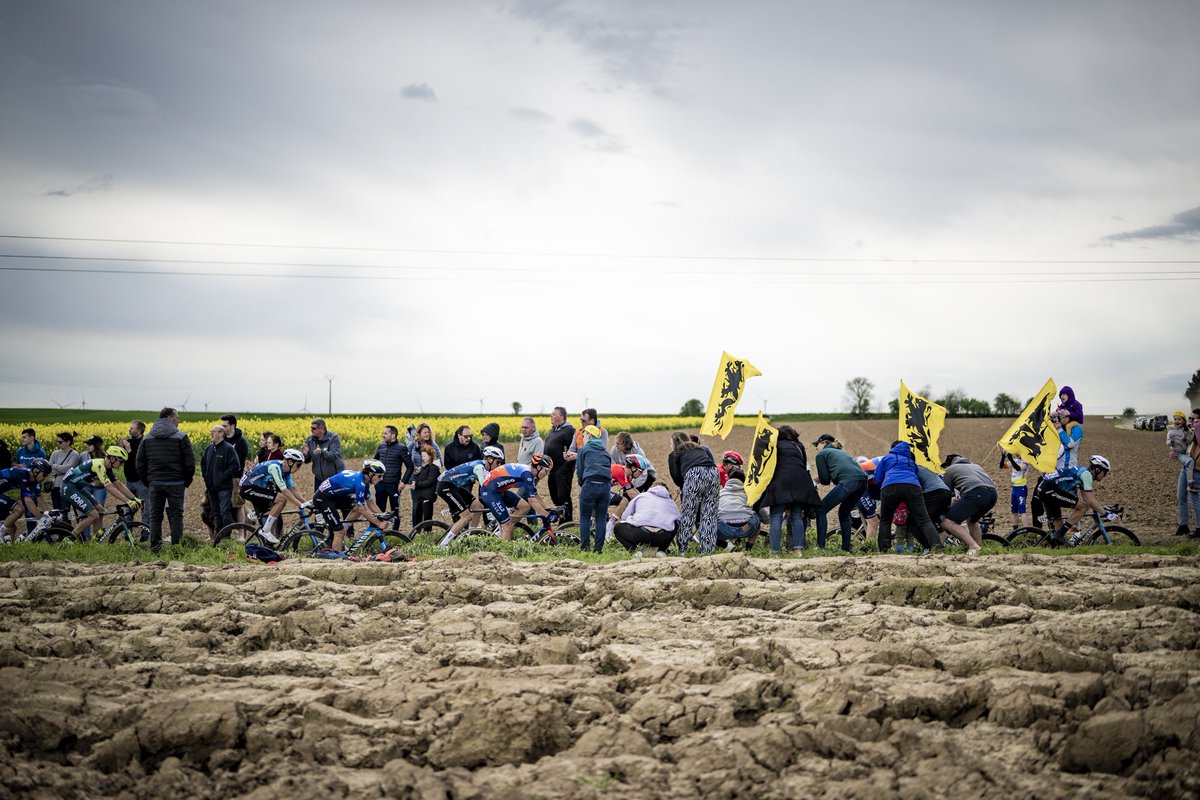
[220, 506]
[1184, 498]
[385, 492]
[727, 532]
[170, 496]
[796, 526]
[845, 496]
[593, 513]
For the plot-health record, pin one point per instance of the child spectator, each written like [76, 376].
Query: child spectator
[425, 486]
[1019, 473]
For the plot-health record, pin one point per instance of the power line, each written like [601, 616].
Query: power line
[554, 254]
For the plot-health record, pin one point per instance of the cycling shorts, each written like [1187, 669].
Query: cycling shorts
[333, 509]
[261, 497]
[79, 496]
[1055, 499]
[6, 505]
[1020, 495]
[972, 505]
[457, 497]
[499, 503]
[868, 507]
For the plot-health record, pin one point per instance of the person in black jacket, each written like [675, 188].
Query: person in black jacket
[219, 466]
[425, 483]
[461, 449]
[233, 435]
[695, 473]
[558, 441]
[167, 463]
[490, 437]
[790, 491]
[398, 468]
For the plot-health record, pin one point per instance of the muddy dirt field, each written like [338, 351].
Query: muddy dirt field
[1003, 676]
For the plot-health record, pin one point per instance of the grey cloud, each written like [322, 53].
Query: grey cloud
[1184, 225]
[1174, 383]
[585, 128]
[100, 183]
[531, 115]
[597, 138]
[418, 91]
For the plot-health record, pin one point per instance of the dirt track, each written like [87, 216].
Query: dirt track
[1011, 676]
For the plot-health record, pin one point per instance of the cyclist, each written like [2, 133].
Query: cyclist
[28, 479]
[454, 486]
[1057, 490]
[97, 473]
[268, 486]
[515, 486]
[346, 497]
[730, 459]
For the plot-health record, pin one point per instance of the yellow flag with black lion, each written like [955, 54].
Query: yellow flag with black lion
[761, 465]
[1033, 437]
[726, 393]
[921, 423]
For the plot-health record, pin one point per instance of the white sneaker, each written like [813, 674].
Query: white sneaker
[269, 537]
[972, 551]
[637, 553]
[660, 553]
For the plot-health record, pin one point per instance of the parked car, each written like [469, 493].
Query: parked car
[1139, 424]
[1159, 423]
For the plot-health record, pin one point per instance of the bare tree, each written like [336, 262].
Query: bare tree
[859, 393]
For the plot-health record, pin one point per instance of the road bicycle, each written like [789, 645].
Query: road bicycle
[1099, 531]
[55, 527]
[567, 534]
[309, 533]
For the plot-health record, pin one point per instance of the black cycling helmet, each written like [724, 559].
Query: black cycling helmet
[41, 465]
[541, 460]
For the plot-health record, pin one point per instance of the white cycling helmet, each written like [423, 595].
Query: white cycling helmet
[372, 466]
[292, 454]
[1100, 462]
[491, 451]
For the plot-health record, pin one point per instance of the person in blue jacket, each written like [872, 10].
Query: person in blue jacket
[896, 474]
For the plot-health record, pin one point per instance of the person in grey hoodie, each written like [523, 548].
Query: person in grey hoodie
[976, 497]
[531, 442]
[167, 463]
[736, 520]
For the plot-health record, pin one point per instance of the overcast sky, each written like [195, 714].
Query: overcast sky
[554, 202]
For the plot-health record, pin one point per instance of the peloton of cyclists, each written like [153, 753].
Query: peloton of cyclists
[504, 489]
[268, 486]
[344, 498]
[96, 473]
[28, 480]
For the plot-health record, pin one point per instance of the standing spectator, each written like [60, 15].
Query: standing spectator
[490, 437]
[695, 473]
[324, 450]
[586, 417]
[419, 436]
[976, 496]
[624, 445]
[651, 518]
[233, 435]
[133, 480]
[273, 451]
[896, 474]
[592, 469]
[1180, 438]
[1019, 477]
[791, 492]
[461, 449]
[836, 466]
[167, 463]
[397, 469]
[263, 449]
[425, 485]
[531, 443]
[219, 465]
[5, 455]
[64, 459]
[558, 440]
[30, 448]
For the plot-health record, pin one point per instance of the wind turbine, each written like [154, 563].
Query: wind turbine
[61, 405]
[305, 409]
[764, 402]
[82, 401]
[481, 399]
[206, 402]
[183, 405]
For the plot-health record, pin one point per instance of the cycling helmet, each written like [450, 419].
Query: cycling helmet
[292, 454]
[373, 467]
[491, 451]
[41, 465]
[732, 456]
[541, 460]
[117, 452]
[634, 461]
[1100, 462]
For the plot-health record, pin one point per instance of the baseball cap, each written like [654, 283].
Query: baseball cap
[593, 430]
[824, 437]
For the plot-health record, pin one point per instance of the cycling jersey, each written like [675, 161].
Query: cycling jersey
[268, 474]
[346, 485]
[1071, 478]
[93, 472]
[464, 475]
[620, 477]
[515, 478]
[19, 477]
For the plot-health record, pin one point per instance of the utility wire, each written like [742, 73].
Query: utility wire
[553, 254]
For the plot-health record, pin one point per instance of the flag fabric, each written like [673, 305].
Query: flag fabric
[726, 392]
[1032, 436]
[762, 460]
[921, 423]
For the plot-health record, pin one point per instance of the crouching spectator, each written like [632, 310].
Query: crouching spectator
[650, 519]
[736, 520]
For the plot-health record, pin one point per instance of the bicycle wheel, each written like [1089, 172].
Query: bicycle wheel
[238, 532]
[303, 541]
[429, 532]
[520, 531]
[997, 539]
[1117, 535]
[566, 535]
[58, 533]
[129, 533]
[1029, 537]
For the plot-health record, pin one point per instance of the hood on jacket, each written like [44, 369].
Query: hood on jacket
[1072, 406]
[658, 490]
[492, 429]
[902, 449]
[164, 428]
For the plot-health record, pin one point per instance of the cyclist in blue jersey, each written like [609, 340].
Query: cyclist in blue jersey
[345, 497]
[268, 486]
[454, 486]
[28, 480]
[96, 473]
[1057, 490]
[514, 486]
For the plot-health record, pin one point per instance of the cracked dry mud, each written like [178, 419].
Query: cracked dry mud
[1008, 676]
